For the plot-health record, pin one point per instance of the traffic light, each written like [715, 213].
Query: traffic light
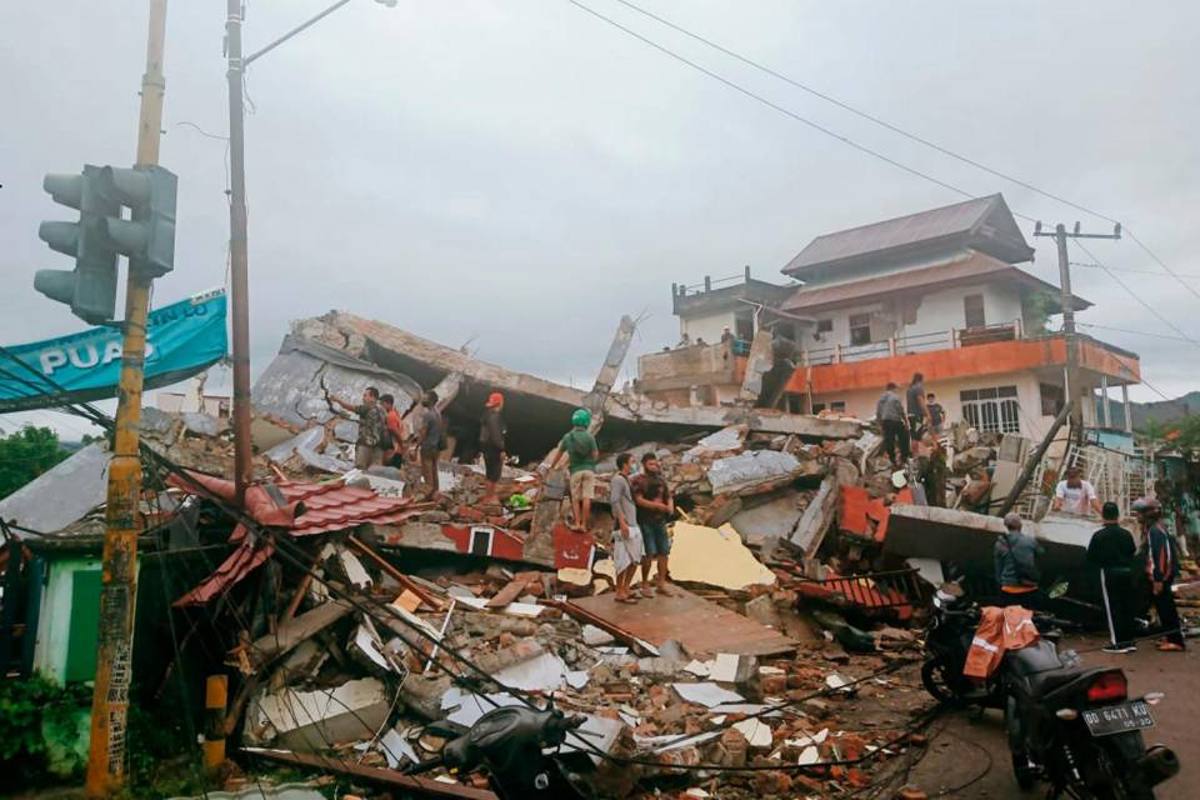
[147, 238]
[91, 288]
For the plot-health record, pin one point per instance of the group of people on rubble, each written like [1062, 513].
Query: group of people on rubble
[383, 433]
[1124, 570]
[917, 415]
[642, 505]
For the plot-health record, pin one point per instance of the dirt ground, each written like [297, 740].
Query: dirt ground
[965, 751]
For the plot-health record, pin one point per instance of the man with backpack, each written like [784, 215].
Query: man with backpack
[1162, 566]
[582, 453]
[1016, 566]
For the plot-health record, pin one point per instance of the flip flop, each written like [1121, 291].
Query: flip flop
[1170, 647]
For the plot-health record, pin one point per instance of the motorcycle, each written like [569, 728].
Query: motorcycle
[1076, 728]
[1073, 727]
[510, 742]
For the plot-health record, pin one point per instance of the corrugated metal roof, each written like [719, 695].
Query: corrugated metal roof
[979, 265]
[960, 218]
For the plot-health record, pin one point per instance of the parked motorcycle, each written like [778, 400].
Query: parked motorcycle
[1076, 728]
[1073, 727]
[510, 742]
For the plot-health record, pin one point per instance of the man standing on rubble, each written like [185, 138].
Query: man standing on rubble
[582, 454]
[1016, 566]
[1075, 495]
[918, 411]
[393, 451]
[627, 546]
[655, 505]
[890, 414]
[937, 414]
[1112, 552]
[372, 427]
[431, 438]
[491, 441]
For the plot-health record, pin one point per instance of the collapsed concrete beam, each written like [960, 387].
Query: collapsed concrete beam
[810, 530]
[758, 364]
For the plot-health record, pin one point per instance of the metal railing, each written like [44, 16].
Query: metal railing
[931, 341]
[871, 590]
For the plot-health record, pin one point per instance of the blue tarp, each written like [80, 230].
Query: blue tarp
[184, 338]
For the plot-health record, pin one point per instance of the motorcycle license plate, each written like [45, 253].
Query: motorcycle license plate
[1131, 716]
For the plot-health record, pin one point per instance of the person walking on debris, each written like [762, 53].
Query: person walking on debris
[393, 451]
[1162, 566]
[918, 411]
[491, 441]
[937, 414]
[627, 546]
[655, 505]
[431, 438]
[582, 454]
[1075, 495]
[1112, 552]
[1016, 566]
[372, 427]
[890, 414]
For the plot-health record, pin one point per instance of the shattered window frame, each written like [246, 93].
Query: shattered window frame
[992, 410]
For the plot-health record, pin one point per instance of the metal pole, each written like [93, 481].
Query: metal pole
[118, 593]
[238, 254]
[1073, 389]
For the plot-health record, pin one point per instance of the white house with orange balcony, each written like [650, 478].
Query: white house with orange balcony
[939, 292]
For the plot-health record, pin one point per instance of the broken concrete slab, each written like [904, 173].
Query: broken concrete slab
[817, 518]
[716, 557]
[753, 469]
[776, 518]
[63, 494]
[706, 694]
[308, 721]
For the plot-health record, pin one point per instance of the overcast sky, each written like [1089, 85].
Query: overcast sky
[520, 173]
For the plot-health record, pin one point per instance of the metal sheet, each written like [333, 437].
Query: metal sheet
[65, 494]
[700, 626]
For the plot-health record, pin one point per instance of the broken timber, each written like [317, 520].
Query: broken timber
[288, 635]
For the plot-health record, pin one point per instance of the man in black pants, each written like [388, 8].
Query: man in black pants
[1112, 551]
[890, 413]
[1162, 565]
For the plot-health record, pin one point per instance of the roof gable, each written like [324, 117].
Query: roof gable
[983, 223]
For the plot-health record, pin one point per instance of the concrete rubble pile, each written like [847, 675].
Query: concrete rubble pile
[366, 623]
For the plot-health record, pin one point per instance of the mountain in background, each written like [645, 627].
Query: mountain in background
[1163, 411]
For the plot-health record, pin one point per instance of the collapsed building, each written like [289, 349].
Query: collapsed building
[361, 625]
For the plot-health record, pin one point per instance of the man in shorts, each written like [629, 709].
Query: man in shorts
[582, 454]
[655, 505]
[627, 547]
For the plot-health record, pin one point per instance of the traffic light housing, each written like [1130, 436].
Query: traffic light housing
[91, 288]
[147, 238]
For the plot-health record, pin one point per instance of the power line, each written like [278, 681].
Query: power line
[1134, 295]
[944, 150]
[1159, 273]
[781, 109]
[1134, 332]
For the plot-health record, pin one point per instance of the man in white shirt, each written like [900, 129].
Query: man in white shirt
[1075, 495]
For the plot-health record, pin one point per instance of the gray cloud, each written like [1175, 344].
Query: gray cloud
[522, 173]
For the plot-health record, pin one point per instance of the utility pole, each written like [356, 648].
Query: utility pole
[1072, 391]
[118, 592]
[239, 257]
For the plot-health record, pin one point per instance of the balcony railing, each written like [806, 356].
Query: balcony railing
[950, 339]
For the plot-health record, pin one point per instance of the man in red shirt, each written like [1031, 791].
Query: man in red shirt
[393, 453]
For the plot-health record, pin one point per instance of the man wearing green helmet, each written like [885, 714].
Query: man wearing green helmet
[580, 447]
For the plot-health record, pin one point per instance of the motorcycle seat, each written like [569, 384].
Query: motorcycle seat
[1043, 683]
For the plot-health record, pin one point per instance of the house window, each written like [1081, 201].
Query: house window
[1052, 399]
[992, 410]
[973, 310]
[743, 327]
[860, 329]
[838, 406]
[824, 326]
[818, 408]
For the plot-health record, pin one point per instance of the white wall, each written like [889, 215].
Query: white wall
[709, 328]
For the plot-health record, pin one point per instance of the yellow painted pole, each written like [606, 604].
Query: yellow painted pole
[216, 696]
[118, 593]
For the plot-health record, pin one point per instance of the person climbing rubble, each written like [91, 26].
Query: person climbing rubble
[582, 454]
[890, 413]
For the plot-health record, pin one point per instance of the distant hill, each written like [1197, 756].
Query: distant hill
[1162, 411]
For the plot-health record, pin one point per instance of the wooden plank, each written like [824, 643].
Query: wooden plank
[700, 626]
[408, 583]
[512, 591]
[291, 633]
[421, 787]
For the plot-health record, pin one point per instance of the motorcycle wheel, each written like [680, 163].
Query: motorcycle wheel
[1108, 779]
[940, 682]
